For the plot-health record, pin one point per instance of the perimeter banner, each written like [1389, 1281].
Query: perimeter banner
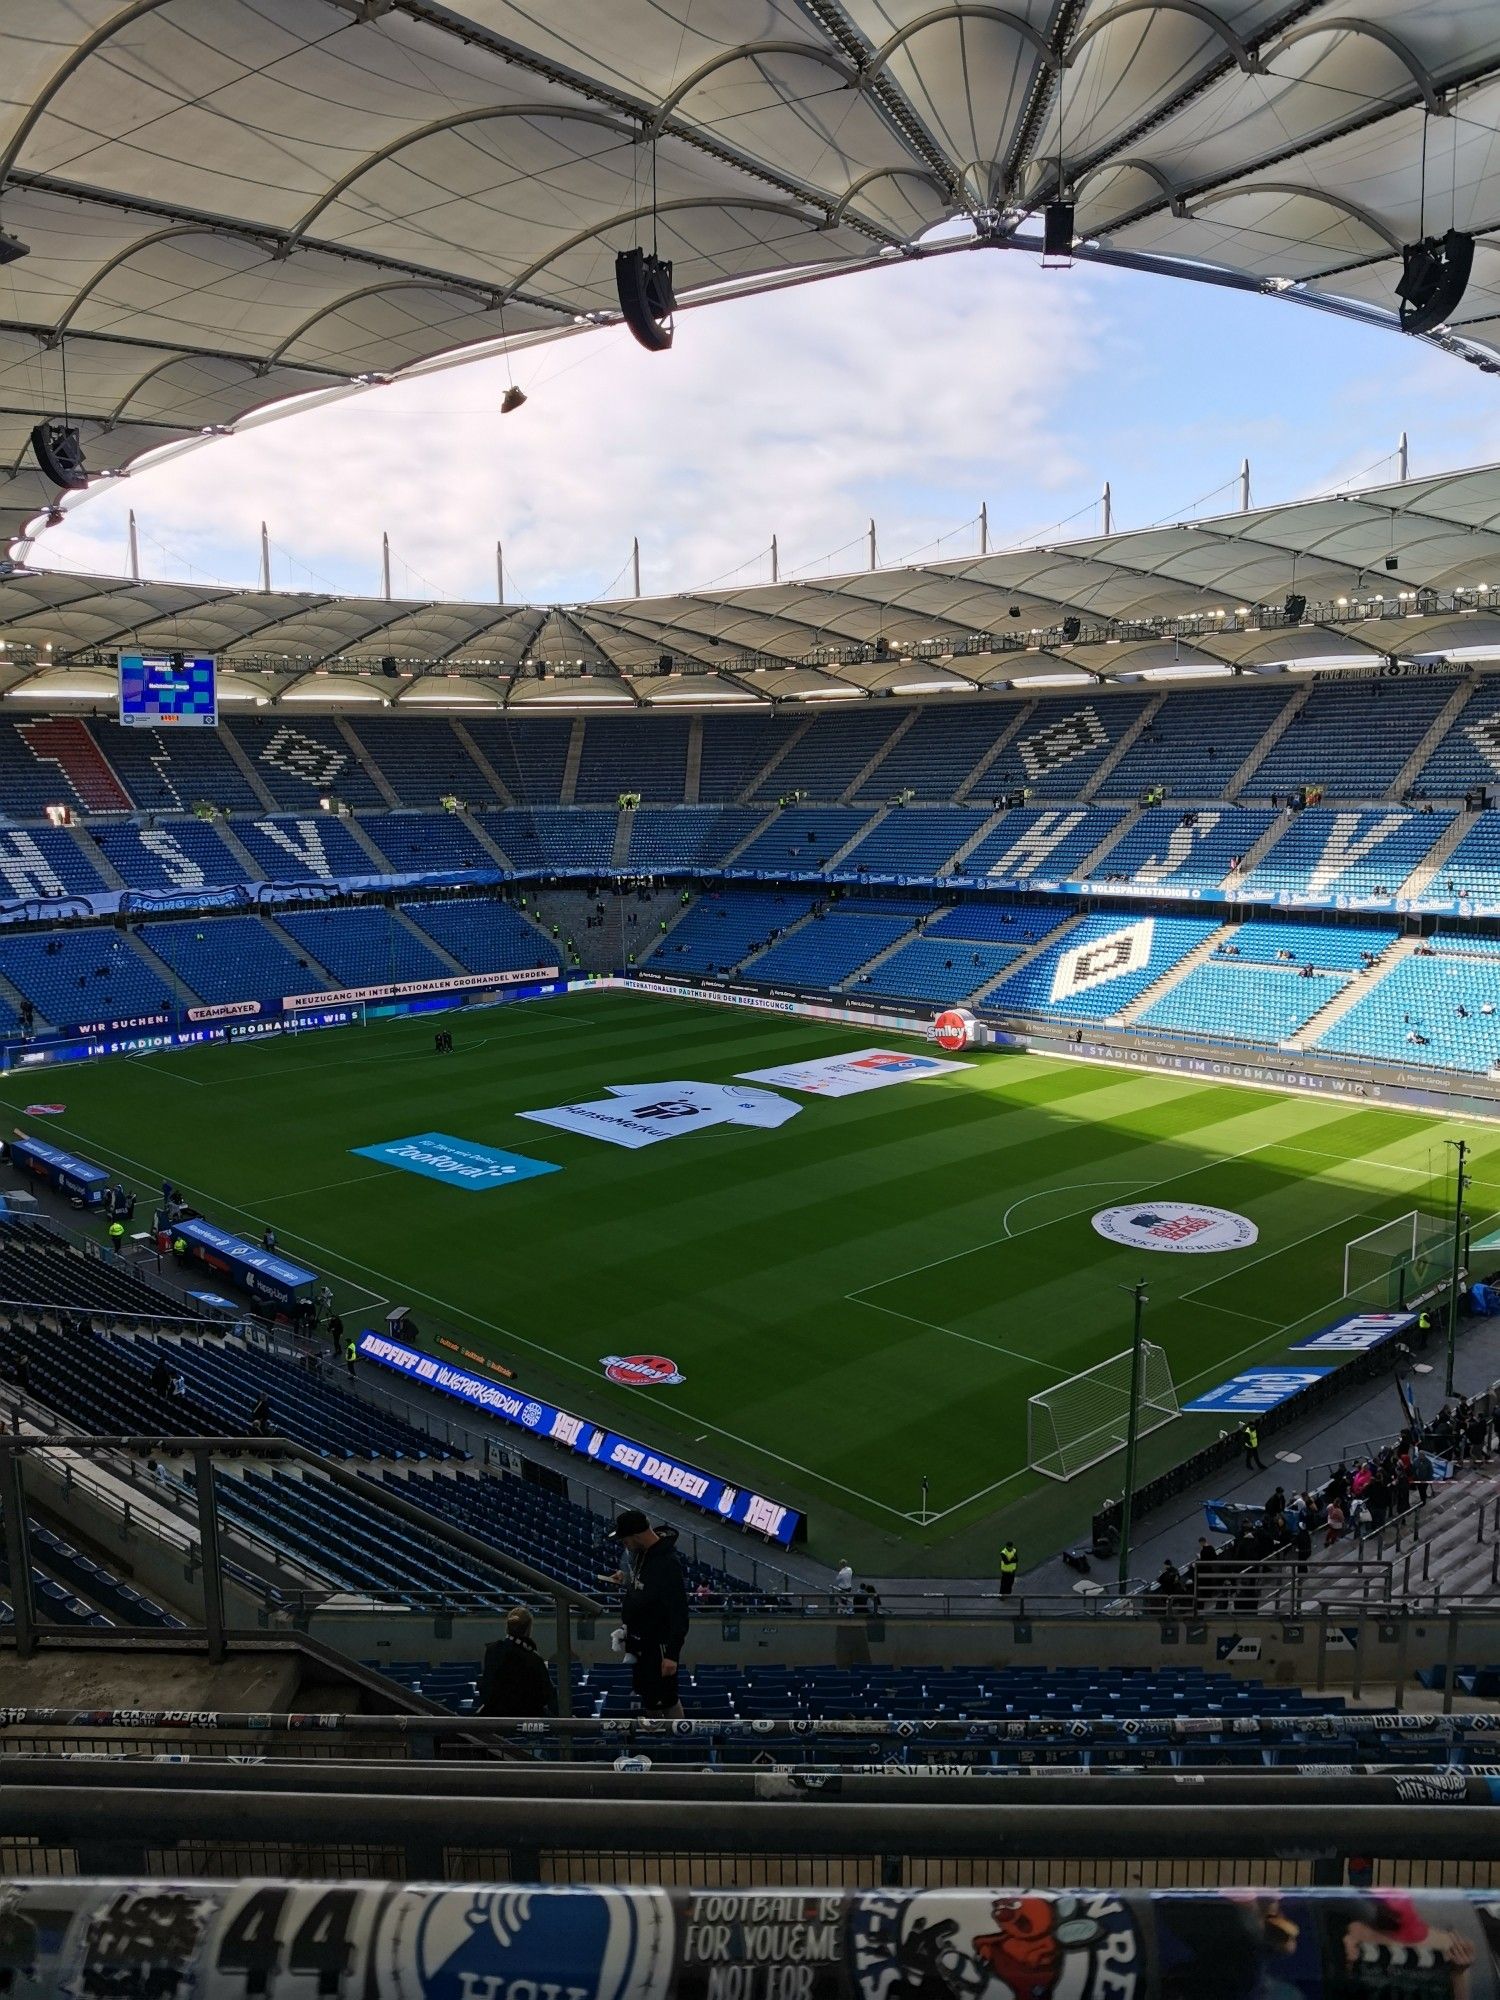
[277, 1940]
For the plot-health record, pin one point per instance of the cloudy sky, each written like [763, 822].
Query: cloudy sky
[910, 394]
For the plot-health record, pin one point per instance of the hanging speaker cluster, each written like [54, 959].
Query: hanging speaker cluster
[60, 455]
[1434, 277]
[644, 284]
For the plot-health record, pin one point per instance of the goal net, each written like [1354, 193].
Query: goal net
[1391, 1264]
[1079, 1422]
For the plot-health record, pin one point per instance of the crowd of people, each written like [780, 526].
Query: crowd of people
[1355, 1500]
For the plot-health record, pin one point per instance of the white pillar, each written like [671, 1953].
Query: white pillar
[499, 573]
[1109, 511]
[984, 528]
[385, 567]
[1403, 459]
[775, 562]
[265, 558]
[1244, 486]
[135, 551]
[635, 567]
[872, 545]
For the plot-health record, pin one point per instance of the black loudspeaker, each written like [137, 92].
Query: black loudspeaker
[1057, 230]
[1392, 562]
[388, 666]
[1071, 627]
[60, 455]
[1295, 607]
[664, 663]
[644, 284]
[1434, 277]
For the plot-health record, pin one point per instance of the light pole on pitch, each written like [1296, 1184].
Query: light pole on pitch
[1458, 1237]
[1138, 1293]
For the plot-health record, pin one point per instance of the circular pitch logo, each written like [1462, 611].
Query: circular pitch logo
[953, 1029]
[1185, 1227]
[642, 1371]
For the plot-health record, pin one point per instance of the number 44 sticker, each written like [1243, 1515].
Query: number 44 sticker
[294, 1942]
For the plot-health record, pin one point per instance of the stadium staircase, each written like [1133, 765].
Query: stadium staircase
[486, 769]
[866, 827]
[225, 830]
[861, 973]
[12, 997]
[996, 750]
[1351, 993]
[164, 972]
[1456, 831]
[1442, 722]
[750, 838]
[1093, 788]
[1101, 851]
[1055, 936]
[1175, 974]
[954, 865]
[400, 916]
[1253, 856]
[788, 930]
[248, 772]
[1283, 722]
[747, 794]
[365, 761]
[619, 858]
[852, 791]
[95, 856]
[317, 973]
[568, 792]
[360, 835]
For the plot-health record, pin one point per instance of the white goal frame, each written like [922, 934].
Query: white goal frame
[1408, 1235]
[1101, 1397]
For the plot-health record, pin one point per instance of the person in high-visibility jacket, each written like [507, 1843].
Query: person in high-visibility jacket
[117, 1236]
[1424, 1328]
[1253, 1460]
[351, 1355]
[1010, 1564]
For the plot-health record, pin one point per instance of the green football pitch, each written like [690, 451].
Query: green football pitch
[860, 1300]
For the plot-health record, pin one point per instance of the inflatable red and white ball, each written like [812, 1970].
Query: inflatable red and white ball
[954, 1029]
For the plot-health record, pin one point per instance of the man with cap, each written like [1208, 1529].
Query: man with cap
[655, 1610]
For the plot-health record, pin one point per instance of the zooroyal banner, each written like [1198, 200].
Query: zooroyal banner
[1183, 1227]
[1256, 1391]
[457, 1162]
[1357, 1334]
[426, 1941]
[848, 1075]
[643, 1114]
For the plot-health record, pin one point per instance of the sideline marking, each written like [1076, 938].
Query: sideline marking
[354, 1180]
[338, 1257]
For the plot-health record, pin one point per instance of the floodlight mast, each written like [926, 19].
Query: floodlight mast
[1458, 1235]
[1132, 1431]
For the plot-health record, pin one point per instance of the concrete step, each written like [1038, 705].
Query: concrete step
[852, 792]
[1061, 930]
[569, 787]
[1296, 702]
[1431, 864]
[1451, 710]
[1351, 993]
[1253, 856]
[1094, 788]
[491, 776]
[1012, 729]
[1175, 974]
[773, 762]
[365, 761]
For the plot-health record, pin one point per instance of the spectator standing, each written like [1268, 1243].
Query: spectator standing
[514, 1679]
[655, 1610]
[843, 1587]
[260, 1416]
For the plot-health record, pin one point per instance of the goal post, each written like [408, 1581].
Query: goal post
[1392, 1263]
[1079, 1422]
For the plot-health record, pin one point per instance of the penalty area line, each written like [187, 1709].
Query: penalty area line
[990, 1346]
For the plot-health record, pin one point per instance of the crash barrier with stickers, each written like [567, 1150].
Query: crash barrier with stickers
[1313, 1391]
[197, 1940]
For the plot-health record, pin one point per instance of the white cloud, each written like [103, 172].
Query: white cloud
[910, 394]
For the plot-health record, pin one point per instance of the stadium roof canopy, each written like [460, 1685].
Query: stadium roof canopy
[1409, 572]
[231, 204]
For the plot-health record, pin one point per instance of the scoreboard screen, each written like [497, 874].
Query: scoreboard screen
[158, 688]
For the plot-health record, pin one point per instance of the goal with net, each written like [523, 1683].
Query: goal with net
[1391, 1264]
[1079, 1422]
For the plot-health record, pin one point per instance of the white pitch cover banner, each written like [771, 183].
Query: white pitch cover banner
[643, 1114]
[1103, 959]
[848, 1075]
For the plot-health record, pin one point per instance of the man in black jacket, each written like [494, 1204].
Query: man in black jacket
[515, 1680]
[655, 1610]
